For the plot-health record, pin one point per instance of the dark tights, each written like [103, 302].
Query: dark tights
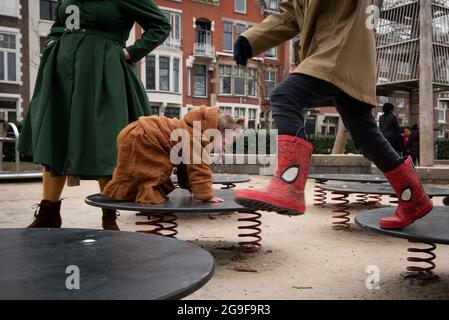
[298, 92]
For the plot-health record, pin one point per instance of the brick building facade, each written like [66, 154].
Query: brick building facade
[195, 65]
[14, 59]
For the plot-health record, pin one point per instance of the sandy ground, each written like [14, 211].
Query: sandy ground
[301, 257]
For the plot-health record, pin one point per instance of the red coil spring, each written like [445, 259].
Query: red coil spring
[362, 198]
[421, 272]
[320, 194]
[341, 212]
[375, 200]
[163, 224]
[253, 233]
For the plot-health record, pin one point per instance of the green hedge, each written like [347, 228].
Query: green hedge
[443, 149]
[9, 149]
[321, 144]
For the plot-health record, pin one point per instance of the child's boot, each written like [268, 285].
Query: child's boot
[285, 193]
[413, 204]
[48, 216]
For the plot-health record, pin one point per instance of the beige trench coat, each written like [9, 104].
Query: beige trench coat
[336, 44]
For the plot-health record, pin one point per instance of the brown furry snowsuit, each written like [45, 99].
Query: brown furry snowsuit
[144, 166]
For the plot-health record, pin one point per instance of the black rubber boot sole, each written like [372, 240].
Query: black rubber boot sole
[259, 205]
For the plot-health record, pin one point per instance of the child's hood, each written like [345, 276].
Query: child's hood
[208, 117]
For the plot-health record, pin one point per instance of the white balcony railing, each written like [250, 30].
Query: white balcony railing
[172, 44]
[204, 50]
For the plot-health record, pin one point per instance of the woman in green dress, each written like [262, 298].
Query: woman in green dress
[87, 90]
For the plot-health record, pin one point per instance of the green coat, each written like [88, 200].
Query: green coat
[86, 92]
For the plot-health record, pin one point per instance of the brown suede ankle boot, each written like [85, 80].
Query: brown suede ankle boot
[49, 215]
[110, 220]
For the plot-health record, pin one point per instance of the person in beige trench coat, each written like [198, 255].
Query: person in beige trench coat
[337, 67]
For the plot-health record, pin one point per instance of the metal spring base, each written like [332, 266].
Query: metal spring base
[320, 194]
[341, 212]
[163, 224]
[362, 199]
[423, 274]
[253, 233]
[375, 200]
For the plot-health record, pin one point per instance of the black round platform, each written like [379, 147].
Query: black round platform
[380, 189]
[180, 201]
[433, 228]
[368, 178]
[222, 179]
[112, 265]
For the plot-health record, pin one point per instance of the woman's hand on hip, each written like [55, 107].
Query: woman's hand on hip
[126, 55]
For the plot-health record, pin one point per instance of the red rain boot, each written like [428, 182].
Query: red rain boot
[285, 193]
[414, 203]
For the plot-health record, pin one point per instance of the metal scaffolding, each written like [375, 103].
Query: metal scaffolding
[398, 45]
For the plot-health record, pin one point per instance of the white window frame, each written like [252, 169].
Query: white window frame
[219, 79]
[232, 36]
[238, 11]
[193, 74]
[270, 80]
[171, 73]
[444, 110]
[18, 51]
[171, 41]
[276, 54]
[16, 13]
[18, 98]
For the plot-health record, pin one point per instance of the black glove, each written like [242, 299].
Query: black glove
[242, 51]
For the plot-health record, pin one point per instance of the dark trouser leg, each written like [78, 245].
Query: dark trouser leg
[292, 96]
[358, 118]
[297, 92]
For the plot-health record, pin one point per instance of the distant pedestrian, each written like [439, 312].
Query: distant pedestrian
[413, 144]
[389, 126]
[405, 140]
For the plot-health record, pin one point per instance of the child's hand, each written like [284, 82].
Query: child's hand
[216, 200]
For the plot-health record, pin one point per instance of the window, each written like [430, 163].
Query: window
[270, 82]
[48, 9]
[239, 112]
[154, 111]
[8, 57]
[240, 6]
[272, 4]
[9, 8]
[225, 79]
[227, 36]
[174, 39]
[8, 109]
[441, 110]
[239, 29]
[252, 117]
[172, 112]
[151, 72]
[176, 77]
[164, 73]
[252, 82]
[227, 110]
[239, 81]
[199, 80]
[272, 53]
